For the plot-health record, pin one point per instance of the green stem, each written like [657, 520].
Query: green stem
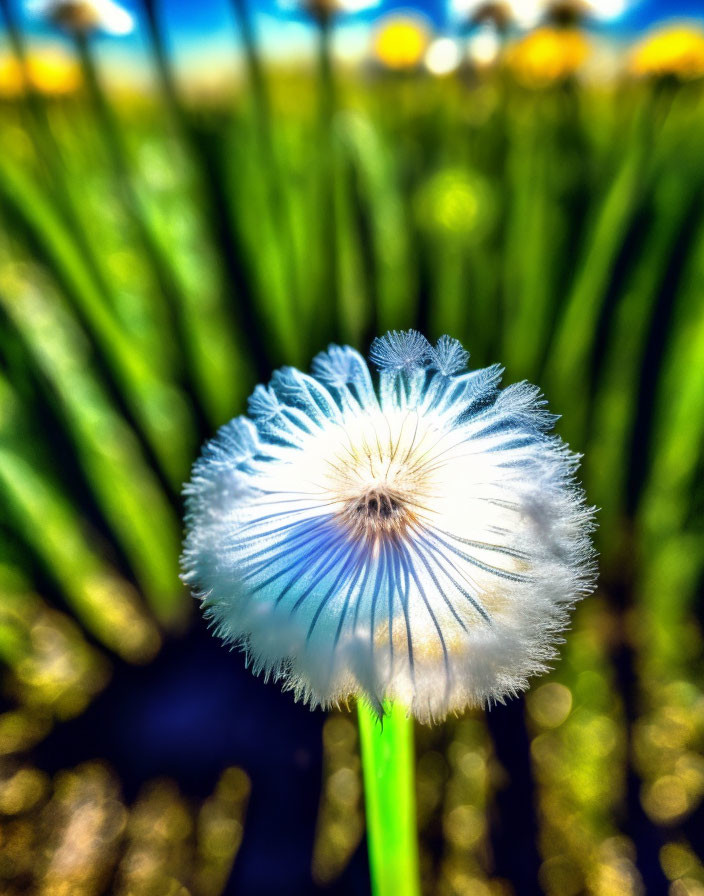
[389, 787]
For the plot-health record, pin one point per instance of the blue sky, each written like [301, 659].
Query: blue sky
[190, 17]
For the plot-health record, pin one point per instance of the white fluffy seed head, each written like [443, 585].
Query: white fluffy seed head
[85, 16]
[420, 540]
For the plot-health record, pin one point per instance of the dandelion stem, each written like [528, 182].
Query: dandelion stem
[387, 760]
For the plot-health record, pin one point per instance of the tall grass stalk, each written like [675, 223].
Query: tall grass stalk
[330, 299]
[49, 152]
[144, 392]
[169, 289]
[277, 197]
[199, 131]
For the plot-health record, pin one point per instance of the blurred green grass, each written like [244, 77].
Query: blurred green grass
[158, 257]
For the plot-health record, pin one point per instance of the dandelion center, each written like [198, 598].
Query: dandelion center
[379, 474]
[378, 513]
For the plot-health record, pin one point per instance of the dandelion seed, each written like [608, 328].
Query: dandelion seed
[421, 540]
[449, 356]
[397, 351]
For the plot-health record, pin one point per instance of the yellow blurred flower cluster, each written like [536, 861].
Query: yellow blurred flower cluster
[676, 50]
[547, 55]
[401, 42]
[48, 70]
[406, 41]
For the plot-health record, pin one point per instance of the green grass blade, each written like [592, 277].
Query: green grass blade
[158, 407]
[617, 399]
[103, 601]
[569, 359]
[124, 485]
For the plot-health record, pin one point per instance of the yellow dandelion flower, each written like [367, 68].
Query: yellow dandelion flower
[11, 82]
[53, 72]
[401, 42]
[548, 55]
[49, 71]
[676, 50]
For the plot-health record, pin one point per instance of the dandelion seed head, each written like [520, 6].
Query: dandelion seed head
[418, 538]
[85, 16]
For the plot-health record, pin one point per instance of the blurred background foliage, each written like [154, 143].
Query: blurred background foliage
[534, 191]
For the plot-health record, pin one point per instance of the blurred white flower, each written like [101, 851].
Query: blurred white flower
[353, 6]
[84, 15]
[484, 46]
[607, 9]
[443, 56]
[421, 541]
[522, 13]
[525, 14]
[572, 11]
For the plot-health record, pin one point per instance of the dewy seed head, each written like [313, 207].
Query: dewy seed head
[418, 536]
